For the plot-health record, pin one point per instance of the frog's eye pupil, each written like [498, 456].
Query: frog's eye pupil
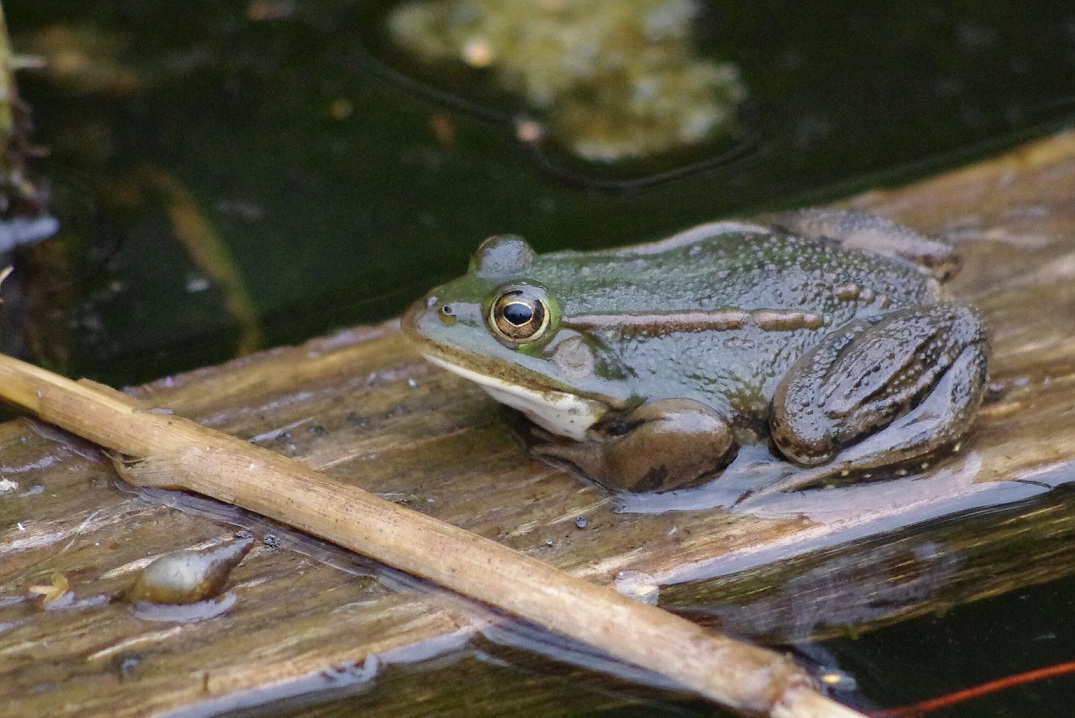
[519, 315]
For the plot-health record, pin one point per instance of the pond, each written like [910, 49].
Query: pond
[238, 175]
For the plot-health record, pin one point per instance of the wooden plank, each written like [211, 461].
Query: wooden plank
[363, 407]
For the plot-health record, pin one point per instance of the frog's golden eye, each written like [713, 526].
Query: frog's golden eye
[519, 314]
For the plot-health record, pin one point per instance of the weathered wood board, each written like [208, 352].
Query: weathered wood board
[366, 409]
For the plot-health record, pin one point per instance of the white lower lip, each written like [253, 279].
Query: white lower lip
[555, 411]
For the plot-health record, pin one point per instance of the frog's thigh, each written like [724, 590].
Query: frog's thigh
[864, 231]
[911, 382]
[662, 445]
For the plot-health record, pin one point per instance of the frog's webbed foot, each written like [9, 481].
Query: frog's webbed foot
[871, 233]
[660, 446]
[884, 392]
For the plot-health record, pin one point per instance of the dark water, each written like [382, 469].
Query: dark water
[284, 128]
[323, 177]
[971, 645]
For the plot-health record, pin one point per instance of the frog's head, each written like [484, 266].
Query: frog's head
[501, 326]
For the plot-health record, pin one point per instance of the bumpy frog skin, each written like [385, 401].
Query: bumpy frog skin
[817, 332]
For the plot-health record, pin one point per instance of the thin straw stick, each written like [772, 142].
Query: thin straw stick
[732, 673]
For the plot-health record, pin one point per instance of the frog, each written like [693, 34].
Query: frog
[827, 335]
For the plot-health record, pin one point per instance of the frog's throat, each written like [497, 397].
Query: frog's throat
[557, 412]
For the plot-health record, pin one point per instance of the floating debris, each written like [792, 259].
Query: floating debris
[51, 593]
[611, 80]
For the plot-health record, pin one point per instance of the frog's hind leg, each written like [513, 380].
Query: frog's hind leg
[869, 232]
[883, 392]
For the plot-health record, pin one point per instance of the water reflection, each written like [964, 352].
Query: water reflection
[845, 593]
[946, 489]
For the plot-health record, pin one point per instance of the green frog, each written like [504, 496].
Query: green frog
[825, 334]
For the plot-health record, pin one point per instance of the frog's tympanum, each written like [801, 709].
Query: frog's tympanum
[817, 332]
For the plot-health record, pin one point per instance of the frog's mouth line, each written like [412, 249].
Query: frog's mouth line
[557, 412]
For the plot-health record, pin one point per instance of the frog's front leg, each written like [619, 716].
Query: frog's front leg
[869, 232]
[896, 388]
[660, 446]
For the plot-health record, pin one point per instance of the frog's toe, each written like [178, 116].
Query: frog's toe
[904, 386]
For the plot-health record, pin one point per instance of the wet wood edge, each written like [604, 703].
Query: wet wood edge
[361, 406]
